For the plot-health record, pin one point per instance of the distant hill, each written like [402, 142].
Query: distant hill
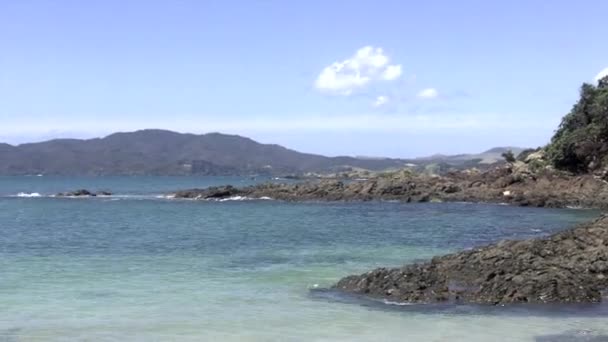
[160, 152]
[164, 152]
[490, 156]
[6, 147]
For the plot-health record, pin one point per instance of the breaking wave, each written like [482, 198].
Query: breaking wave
[28, 194]
[244, 198]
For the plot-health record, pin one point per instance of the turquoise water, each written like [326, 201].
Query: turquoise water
[142, 268]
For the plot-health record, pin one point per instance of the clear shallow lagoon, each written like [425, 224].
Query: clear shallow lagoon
[141, 268]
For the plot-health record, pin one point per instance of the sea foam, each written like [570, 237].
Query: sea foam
[28, 194]
[244, 198]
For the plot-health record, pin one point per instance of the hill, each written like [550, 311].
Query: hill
[161, 152]
[490, 156]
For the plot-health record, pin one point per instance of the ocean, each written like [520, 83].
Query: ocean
[137, 266]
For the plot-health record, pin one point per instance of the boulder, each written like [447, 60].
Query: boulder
[539, 156]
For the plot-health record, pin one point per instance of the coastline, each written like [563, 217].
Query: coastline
[567, 267]
[511, 184]
[570, 266]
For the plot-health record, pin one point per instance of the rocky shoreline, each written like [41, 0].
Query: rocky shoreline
[511, 184]
[567, 267]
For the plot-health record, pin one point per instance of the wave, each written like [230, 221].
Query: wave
[28, 194]
[244, 198]
[578, 207]
[170, 196]
[116, 197]
[390, 302]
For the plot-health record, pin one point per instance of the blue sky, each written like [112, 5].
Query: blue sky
[391, 78]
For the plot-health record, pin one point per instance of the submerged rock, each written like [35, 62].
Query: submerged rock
[567, 267]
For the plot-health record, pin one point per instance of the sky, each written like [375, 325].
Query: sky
[374, 78]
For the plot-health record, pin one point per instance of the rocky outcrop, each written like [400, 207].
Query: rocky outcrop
[517, 184]
[83, 193]
[567, 267]
[209, 193]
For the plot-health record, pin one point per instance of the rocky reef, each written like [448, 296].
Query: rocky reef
[516, 183]
[567, 267]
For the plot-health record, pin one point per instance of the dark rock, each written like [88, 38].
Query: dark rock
[209, 193]
[451, 188]
[77, 193]
[499, 185]
[83, 193]
[567, 267]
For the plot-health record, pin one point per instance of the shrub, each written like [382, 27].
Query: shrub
[509, 157]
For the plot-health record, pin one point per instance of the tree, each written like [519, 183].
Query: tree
[509, 157]
[580, 143]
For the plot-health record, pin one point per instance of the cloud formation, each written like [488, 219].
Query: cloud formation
[380, 101]
[369, 64]
[428, 93]
[601, 75]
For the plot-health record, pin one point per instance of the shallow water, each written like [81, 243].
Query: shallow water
[124, 268]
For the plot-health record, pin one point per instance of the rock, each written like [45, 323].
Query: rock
[452, 188]
[83, 193]
[517, 183]
[540, 155]
[555, 269]
[77, 193]
[208, 193]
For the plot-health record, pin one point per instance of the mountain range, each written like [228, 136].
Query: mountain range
[161, 152]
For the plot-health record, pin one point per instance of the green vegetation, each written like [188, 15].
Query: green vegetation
[509, 156]
[581, 141]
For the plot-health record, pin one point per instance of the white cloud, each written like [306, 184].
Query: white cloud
[392, 72]
[428, 93]
[369, 64]
[381, 101]
[601, 75]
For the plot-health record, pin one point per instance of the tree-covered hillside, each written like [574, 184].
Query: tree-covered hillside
[581, 141]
